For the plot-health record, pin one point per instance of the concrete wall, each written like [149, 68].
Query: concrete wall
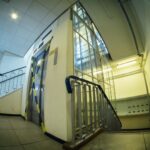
[56, 99]
[11, 104]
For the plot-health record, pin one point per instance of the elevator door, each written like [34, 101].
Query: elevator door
[37, 86]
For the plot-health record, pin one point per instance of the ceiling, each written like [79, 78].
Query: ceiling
[34, 16]
[18, 35]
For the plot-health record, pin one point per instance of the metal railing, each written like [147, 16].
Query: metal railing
[11, 81]
[90, 109]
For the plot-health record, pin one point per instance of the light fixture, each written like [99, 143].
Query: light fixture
[104, 71]
[14, 15]
[126, 64]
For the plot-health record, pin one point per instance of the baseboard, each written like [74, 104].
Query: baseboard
[130, 130]
[15, 115]
[55, 138]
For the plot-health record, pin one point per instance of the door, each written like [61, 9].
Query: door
[36, 96]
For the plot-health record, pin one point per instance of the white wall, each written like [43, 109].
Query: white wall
[142, 10]
[27, 60]
[1, 55]
[147, 70]
[56, 99]
[130, 86]
[55, 107]
[135, 122]
[11, 104]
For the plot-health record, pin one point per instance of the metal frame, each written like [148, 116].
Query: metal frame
[80, 16]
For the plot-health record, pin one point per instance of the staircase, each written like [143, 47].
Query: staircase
[11, 81]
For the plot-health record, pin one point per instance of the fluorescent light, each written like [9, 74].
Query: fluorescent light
[14, 15]
[126, 64]
[104, 71]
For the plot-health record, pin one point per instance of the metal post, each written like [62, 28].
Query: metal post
[94, 103]
[85, 107]
[73, 112]
[79, 110]
[98, 108]
[90, 108]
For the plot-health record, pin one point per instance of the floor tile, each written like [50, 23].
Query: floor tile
[8, 138]
[23, 124]
[4, 118]
[147, 140]
[12, 148]
[5, 125]
[115, 142]
[44, 145]
[18, 134]
[30, 135]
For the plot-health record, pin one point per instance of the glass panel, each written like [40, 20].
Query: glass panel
[91, 59]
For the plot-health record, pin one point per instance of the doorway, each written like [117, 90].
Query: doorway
[37, 82]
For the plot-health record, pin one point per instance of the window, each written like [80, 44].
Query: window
[90, 52]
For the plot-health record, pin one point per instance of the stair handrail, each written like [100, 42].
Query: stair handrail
[12, 78]
[69, 89]
[2, 74]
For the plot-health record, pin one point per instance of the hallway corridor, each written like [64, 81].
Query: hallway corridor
[17, 134]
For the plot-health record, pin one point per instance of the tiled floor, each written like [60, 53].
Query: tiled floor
[17, 134]
[120, 141]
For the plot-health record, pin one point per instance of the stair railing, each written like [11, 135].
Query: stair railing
[90, 109]
[11, 81]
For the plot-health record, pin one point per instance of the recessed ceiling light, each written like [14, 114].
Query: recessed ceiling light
[14, 16]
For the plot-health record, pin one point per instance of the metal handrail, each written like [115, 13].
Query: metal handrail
[11, 81]
[69, 89]
[1, 74]
[12, 78]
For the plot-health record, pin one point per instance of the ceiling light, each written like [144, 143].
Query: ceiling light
[126, 64]
[104, 71]
[14, 16]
